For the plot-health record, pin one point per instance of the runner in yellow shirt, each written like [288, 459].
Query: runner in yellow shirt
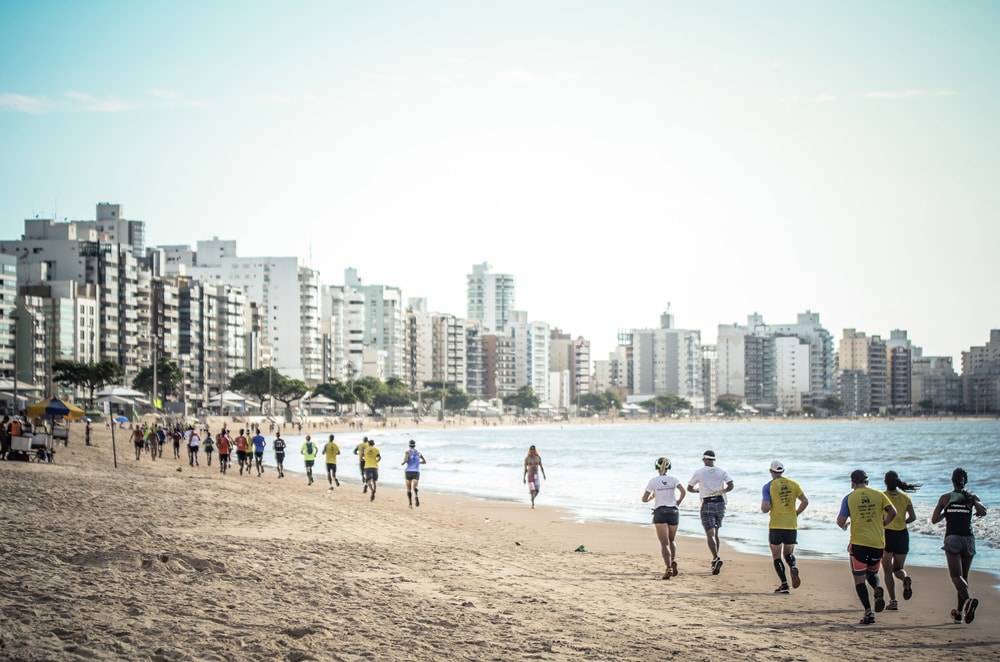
[331, 450]
[869, 512]
[784, 500]
[371, 457]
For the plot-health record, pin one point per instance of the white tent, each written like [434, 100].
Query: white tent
[229, 397]
[120, 392]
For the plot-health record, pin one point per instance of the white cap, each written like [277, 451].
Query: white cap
[777, 467]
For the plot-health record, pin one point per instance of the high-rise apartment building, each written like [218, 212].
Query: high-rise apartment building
[489, 298]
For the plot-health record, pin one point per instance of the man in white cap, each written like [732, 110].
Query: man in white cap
[784, 500]
[712, 483]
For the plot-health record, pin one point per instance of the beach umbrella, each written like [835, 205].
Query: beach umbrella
[55, 408]
[121, 419]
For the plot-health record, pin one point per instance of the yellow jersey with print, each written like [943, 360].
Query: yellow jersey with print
[865, 507]
[783, 494]
[332, 451]
[371, 457]
[901, 502]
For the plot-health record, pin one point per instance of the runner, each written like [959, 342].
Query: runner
[956, 508]
[359, 450]
[331, 450]
[372, 457]
[778, 498]
[224, 446]
[412, 459]
[309, 451]
[897, 538]
[663, 489]
[258, 452]
[242, 445]
[712, 483]
[209, 446]
[279, 454]
[869, 511]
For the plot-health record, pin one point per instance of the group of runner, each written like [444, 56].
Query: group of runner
[877, 522]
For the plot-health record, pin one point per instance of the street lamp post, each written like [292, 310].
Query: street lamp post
[14, 318]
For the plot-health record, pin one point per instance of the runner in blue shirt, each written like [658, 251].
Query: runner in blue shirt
[258, 451]
[413, 459]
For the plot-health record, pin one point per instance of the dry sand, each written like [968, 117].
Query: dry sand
[160, 561]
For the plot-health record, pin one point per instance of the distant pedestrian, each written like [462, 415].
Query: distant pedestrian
[224, 446]
[331, 450]
[279, 454]
[532, 467]
[897, 538]
[138, 440]
[372, 458]
[309, 450]
[86, 434]
[208, 447]
[259, 443]
[784, 499]
[868, 511]
[412, 460]
[956, 509]
[667, 494]
[242, 445]
[359, 450]
[712, 483]
[194, 443]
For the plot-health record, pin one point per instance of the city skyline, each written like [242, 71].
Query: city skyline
[728, 158]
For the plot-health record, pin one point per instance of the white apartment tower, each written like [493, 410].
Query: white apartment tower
[489, 298]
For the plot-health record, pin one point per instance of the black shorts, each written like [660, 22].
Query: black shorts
[412, 475]
[667, 515]
[309, 463]
[782, 536]
[371, 474]
[279, 458]
[331, 468]
[864, 558]
[241, 456]
[897, 542]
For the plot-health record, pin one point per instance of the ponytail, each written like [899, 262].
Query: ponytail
[894, 483]
[959, 478]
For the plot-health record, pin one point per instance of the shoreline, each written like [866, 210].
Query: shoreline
[155, 560]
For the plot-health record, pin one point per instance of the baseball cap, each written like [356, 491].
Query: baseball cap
[412, 443]
[777, 467]
[708, 455]
[859, 476]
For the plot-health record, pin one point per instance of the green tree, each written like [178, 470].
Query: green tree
[600, 403]
[728, 405]
[525, 398]
[338, 391]
[168, 378]
[666, 404]
[89, 376]
[259, 382]
[395, 394]
[832, 404]
[288, 390]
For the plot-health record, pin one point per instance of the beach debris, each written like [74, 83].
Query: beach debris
[517, 543]
[581, 548]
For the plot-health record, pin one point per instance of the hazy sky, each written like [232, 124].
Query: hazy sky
[726, 157]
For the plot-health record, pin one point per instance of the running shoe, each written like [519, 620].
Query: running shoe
[956, 617]
[667, 574]
[879, 598]
[418, 501]
[716, 566]
[969, 610]
[869, 619]
[782, 589]
[673, 568]
[796, 582]
[892, 606]
[907, 588]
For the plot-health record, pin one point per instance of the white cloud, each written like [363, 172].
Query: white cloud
[20, 103]
[909, 94]
[517, 76]
[823, 98]
[86, 102]
[270, 100]
[446, 80]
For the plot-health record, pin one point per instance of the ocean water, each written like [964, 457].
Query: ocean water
[598, 472]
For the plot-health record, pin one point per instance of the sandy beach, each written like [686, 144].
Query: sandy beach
[162, 561]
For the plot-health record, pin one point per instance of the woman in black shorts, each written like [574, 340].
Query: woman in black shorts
[897, 538]
[664, 489]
